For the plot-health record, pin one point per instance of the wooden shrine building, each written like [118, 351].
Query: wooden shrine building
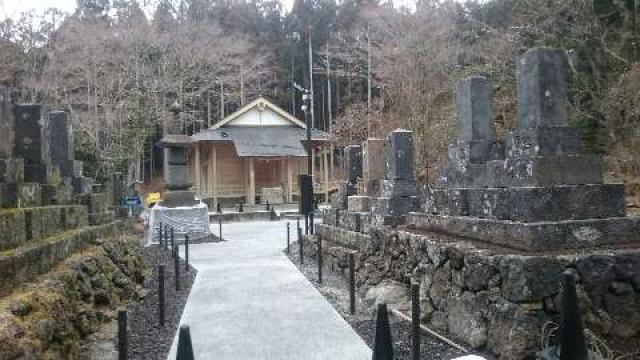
[256, 154]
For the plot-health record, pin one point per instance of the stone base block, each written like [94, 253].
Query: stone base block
[543, 141]
[177, 177]
[96, 203]
[538, 236]
[356, 221]
[545, 171]
[272, 196]
[29, 194]
[372, 188]
[81, 184]
[399, 188]
[475, 151]
[394, 206]
[357, 203]
[38, 173]
[531, 204]
[102, 218]
[179, 198]
[11, 171]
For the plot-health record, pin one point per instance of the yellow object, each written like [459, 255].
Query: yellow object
[151, 198]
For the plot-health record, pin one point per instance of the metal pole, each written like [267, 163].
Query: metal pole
[415, 320]
[176, 265]
[300, 245]
[352, 284]
[288, 237]
[186, 252]
[306, 224]
[311, 230]
[319, 254]
[173, 236]
[160, 235]
[220, 227]
[122, 335]
[161, 294]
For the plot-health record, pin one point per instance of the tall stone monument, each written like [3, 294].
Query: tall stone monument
[543, 192]
[176, 171]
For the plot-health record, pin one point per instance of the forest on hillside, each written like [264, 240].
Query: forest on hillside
[118, 69]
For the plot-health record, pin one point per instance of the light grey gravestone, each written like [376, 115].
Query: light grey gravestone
[542, 89]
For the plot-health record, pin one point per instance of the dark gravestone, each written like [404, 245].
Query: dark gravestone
[399, 157]
[6, 123]
[353, 163]
[29, 134]
[61, 143]
[542, 90]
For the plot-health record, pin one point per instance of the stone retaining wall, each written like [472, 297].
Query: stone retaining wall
[19, 226]
[24, 263]
[491, 298]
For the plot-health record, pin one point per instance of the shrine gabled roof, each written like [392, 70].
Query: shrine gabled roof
[262, 141]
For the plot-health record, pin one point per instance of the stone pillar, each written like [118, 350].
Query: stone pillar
[542, 89]
[6, 124]
[30, 143]
[373, 165]
[399, 159]
[353, 167]
[176, 172]
[473, 100]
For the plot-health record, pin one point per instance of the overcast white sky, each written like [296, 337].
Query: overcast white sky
[13, 8]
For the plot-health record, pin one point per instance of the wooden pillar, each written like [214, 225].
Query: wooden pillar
[289, 180]
[252, 182]
[197, 172]
[325, 158]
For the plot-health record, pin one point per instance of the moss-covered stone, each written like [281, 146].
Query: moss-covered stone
[66, 306]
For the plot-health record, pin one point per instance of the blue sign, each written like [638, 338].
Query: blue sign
[132, 201]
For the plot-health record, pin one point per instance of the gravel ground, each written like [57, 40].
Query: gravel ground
[147, 339]
[335, 289]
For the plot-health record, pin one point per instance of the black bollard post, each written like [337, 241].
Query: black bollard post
[219, 208]
[306, 224]
[186, 252]
[220, 227]
[319, 260]
[300, 246]
[122, 335]
[311, 225]
[572, 342]
[161, 294]
[173, 238]
[288, 237]
[352, 284]
[185, 347]
[160, 235]
[241, 207]
[415, 320]
[166, 237]
[176, 265]
[272, 214]
[268, 207]
[382, 344]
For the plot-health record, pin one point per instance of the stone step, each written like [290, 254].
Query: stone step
[537, 237]
[26, 262]
[21, 226]
[530, 204]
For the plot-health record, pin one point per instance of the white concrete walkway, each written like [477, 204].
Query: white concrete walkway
[250, 302]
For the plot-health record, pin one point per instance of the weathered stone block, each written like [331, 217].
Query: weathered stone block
[178, 198]
[533, 204]
[529, 279]
[61, 139]
[12, 170]
[177, 156]
[404, 188]
[12, 228]
[30, 143]
[373, 188]
[272, 196]
[542, 90]
[395, 206]
[399, 158]
[373, 160]
[540, 236]
[548, 141]
[473, 100]
[6, 123]
[38, 173]
[357, 203]
[545, 171]
[29, 194]
[81, 184]
[177, 177]
[353, 163]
